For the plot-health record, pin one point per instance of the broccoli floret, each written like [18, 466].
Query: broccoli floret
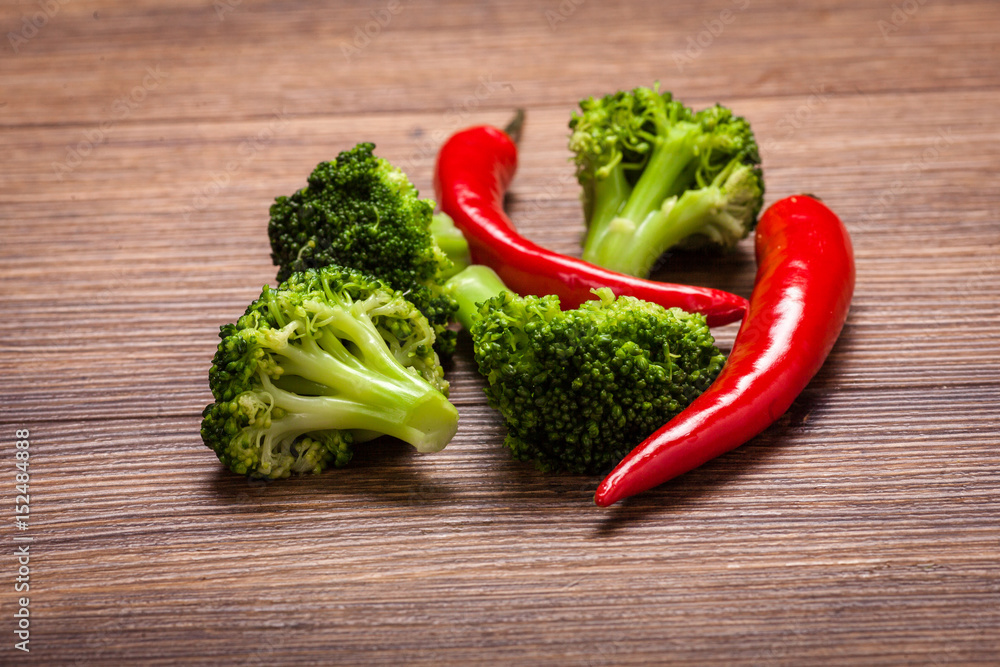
[656, 175]
[361, 212]
[327, 359]
[579, 389]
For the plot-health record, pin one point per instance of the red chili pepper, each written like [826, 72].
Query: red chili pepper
[803, 289]
[474, 168]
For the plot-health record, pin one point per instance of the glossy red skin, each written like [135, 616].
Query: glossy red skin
[474, 168]
[803, 289]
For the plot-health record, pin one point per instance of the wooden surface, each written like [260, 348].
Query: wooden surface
[142, 143]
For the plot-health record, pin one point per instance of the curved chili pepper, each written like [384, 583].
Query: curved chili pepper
[803, 289]
[474, 168]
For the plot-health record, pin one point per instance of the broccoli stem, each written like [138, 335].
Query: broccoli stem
[628, 242]
[424, 419]
[708, 210]
[452, 243]
[678, 219]
[280, 434]
[606, 201]
[471, 287]
[363, 387]
[669, 160]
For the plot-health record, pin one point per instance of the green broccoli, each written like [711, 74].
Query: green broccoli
[655, 174]
[361, 212]
[329, 358]
[579, 389]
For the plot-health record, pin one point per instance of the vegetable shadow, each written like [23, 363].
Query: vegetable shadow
[712, 479]
[729, 270]
[383, 470]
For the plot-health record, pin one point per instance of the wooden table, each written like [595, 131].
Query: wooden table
[143, 143]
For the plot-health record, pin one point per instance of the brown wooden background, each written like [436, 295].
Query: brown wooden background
[142, 143]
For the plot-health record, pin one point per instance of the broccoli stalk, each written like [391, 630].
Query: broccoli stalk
[655, 175]
[452, 243]
[327, 359]
[472, 287]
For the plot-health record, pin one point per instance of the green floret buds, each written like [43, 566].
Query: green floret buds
[361, 212]
[579, 389]
[656, 175]
[328, 359]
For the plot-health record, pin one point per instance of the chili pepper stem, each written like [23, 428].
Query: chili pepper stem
[515, 126]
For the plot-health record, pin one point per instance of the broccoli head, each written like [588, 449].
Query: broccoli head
[361, 212]
[329, 358]
[579, 389]
[656, 175]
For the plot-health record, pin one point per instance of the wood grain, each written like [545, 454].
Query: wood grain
[863, 528]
